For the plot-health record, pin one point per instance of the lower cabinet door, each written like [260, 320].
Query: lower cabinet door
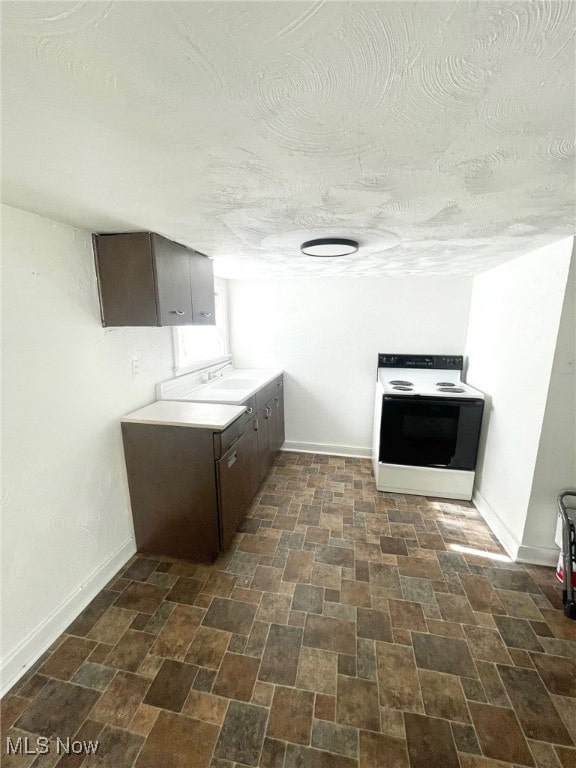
[263, 427]
[232, 475]
[252, 460]
[278, 420]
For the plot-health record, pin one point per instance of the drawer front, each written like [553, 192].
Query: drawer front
[266, 394]
[223, 440]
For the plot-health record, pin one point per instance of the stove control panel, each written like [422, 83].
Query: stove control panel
[442, 362]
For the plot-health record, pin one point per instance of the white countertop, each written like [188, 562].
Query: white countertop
[176, 413]
[233, 388]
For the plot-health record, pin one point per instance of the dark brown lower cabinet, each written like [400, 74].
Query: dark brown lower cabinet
[190, 487]
[173, 490]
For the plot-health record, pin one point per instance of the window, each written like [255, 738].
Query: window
[198, 346]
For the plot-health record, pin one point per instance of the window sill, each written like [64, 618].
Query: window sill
[202, 364]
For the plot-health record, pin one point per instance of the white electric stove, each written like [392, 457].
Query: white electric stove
[427, 424]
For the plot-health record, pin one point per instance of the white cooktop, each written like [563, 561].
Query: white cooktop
[426, 383]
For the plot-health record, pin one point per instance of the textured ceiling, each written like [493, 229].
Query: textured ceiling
[438, 134]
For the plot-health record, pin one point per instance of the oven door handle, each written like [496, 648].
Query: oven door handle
[430, 399]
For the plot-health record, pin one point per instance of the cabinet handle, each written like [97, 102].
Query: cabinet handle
[255, 425]
[250, 411]
[277, 401]
[206, 314]
[268, 411]
[232, 459]
[177, 312]
[280, 384]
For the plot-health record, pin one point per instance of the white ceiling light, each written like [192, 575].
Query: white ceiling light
[329, 246]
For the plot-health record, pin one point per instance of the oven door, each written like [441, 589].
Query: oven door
[430, 431]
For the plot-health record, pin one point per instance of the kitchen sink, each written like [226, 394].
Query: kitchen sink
[233, 388]
[232, 383]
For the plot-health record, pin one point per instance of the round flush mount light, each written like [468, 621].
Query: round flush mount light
[329, 246]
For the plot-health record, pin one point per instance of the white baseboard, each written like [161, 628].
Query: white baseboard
[517, 551]
[538, 555]
[333, 450]
[29, 650]
[496, 525]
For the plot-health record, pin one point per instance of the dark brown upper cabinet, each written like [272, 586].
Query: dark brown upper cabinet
[146, 279]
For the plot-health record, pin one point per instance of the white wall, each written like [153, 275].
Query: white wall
[326, 334]
[66, 522]
[556, 460]
[514, 320]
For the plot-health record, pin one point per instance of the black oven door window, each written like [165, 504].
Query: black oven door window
[430, 432]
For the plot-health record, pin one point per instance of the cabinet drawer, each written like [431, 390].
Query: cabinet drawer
[223, 440]
[265, 394]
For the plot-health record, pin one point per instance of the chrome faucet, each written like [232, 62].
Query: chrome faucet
[213, 375]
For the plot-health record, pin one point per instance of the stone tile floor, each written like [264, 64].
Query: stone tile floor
[344, 628]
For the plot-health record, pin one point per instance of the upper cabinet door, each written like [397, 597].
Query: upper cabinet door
[125, 279]
[172, 265]
[202, 289]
